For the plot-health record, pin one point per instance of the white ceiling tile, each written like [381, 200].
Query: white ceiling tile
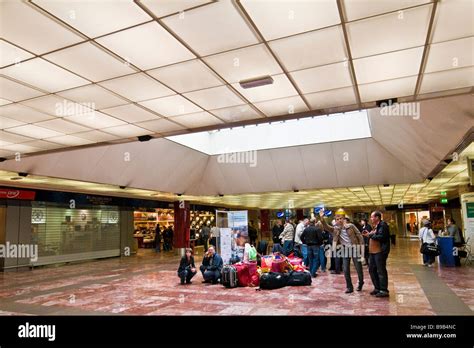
[245, 63]
[131, 113]
[356, 9]
[94, 95]
[388, 66]
[387, 89]
[57, 106]
[10, 54]
[147, 46]
[281, 87]
[33, 131]
[18, 19]
[127, 131]
[44, 75]
[453, 20]
[332, 98]
[23, 113]
[95, 120]
[62, 126]
[311, 49]
[446, 80]
[214, 98]
[322, 78]
[94, 18]
[171, 106]
[450, 55]
[199, 119]
[13, 138]
[390, 32]
[21, 148]
[160, 126]
[212, 28]
[236, 113]
[15, 91]
[96, 136]
[287, 17]
[283, 106]
[8, 122]
[69, 140]
[167, 7]
[89, 61]
[187, 76]
[137, 87]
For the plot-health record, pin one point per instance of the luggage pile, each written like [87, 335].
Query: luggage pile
[275, 271]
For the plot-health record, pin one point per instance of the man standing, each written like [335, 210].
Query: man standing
[302, 248]
[276, 231]
[253, 233]
[313, 237]
[211, 266]
[287, 238]
[352, 246]
[206, 234]
[379, 248]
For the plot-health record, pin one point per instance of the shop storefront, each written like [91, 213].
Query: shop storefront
[63, 234]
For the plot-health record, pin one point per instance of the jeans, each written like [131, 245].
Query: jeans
[346, 265]
[313, 256]
[206, 243]
[322, 258]
[378, 271]
[210, 275]
[428, 259]
[186, 275]
[287, 247]
[304, 253]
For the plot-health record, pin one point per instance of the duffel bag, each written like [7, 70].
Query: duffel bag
[430, 249]
[243, 276]
[252, 265]
[295, 261]
[278, 264]
[273, 280]
[254, 280]
[229, 276]
[299, 279]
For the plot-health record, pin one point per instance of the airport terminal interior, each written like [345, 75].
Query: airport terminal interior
[132, 131]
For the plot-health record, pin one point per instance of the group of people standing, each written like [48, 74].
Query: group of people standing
[166, 236]
[312, 239]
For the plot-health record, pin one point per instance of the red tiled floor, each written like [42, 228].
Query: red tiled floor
[147, 285]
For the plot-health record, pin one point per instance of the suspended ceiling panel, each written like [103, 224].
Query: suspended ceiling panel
[168, 55]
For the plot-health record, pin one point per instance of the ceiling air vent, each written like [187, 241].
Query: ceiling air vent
[256, 82]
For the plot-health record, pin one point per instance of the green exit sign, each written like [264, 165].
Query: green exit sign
[444, 200]
[443, 193]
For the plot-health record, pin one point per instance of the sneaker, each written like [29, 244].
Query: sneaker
[382, 294]
[314, 275]
[425, 264]
[374, 292]
[430, 265]
[359, 287]
[348, 291]
[333, 272]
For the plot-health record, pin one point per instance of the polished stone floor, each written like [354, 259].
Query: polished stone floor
[146, 284]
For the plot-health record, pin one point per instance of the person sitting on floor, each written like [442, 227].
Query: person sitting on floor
[187, 269]
[211, 266]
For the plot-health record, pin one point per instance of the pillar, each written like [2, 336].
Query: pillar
[182, 223]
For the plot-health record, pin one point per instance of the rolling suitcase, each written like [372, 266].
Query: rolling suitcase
[229, 276]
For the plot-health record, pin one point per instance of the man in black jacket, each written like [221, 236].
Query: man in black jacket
[379, 248]
[312, 236]
[276, 231]
[211, 266]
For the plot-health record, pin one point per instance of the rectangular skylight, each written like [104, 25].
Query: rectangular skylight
[320, 129]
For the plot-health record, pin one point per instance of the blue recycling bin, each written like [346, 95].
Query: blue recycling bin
[446, 244]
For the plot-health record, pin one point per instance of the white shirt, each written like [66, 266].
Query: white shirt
[426, 235]
[299, 231]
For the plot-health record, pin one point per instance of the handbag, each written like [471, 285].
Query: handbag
[430, 249]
